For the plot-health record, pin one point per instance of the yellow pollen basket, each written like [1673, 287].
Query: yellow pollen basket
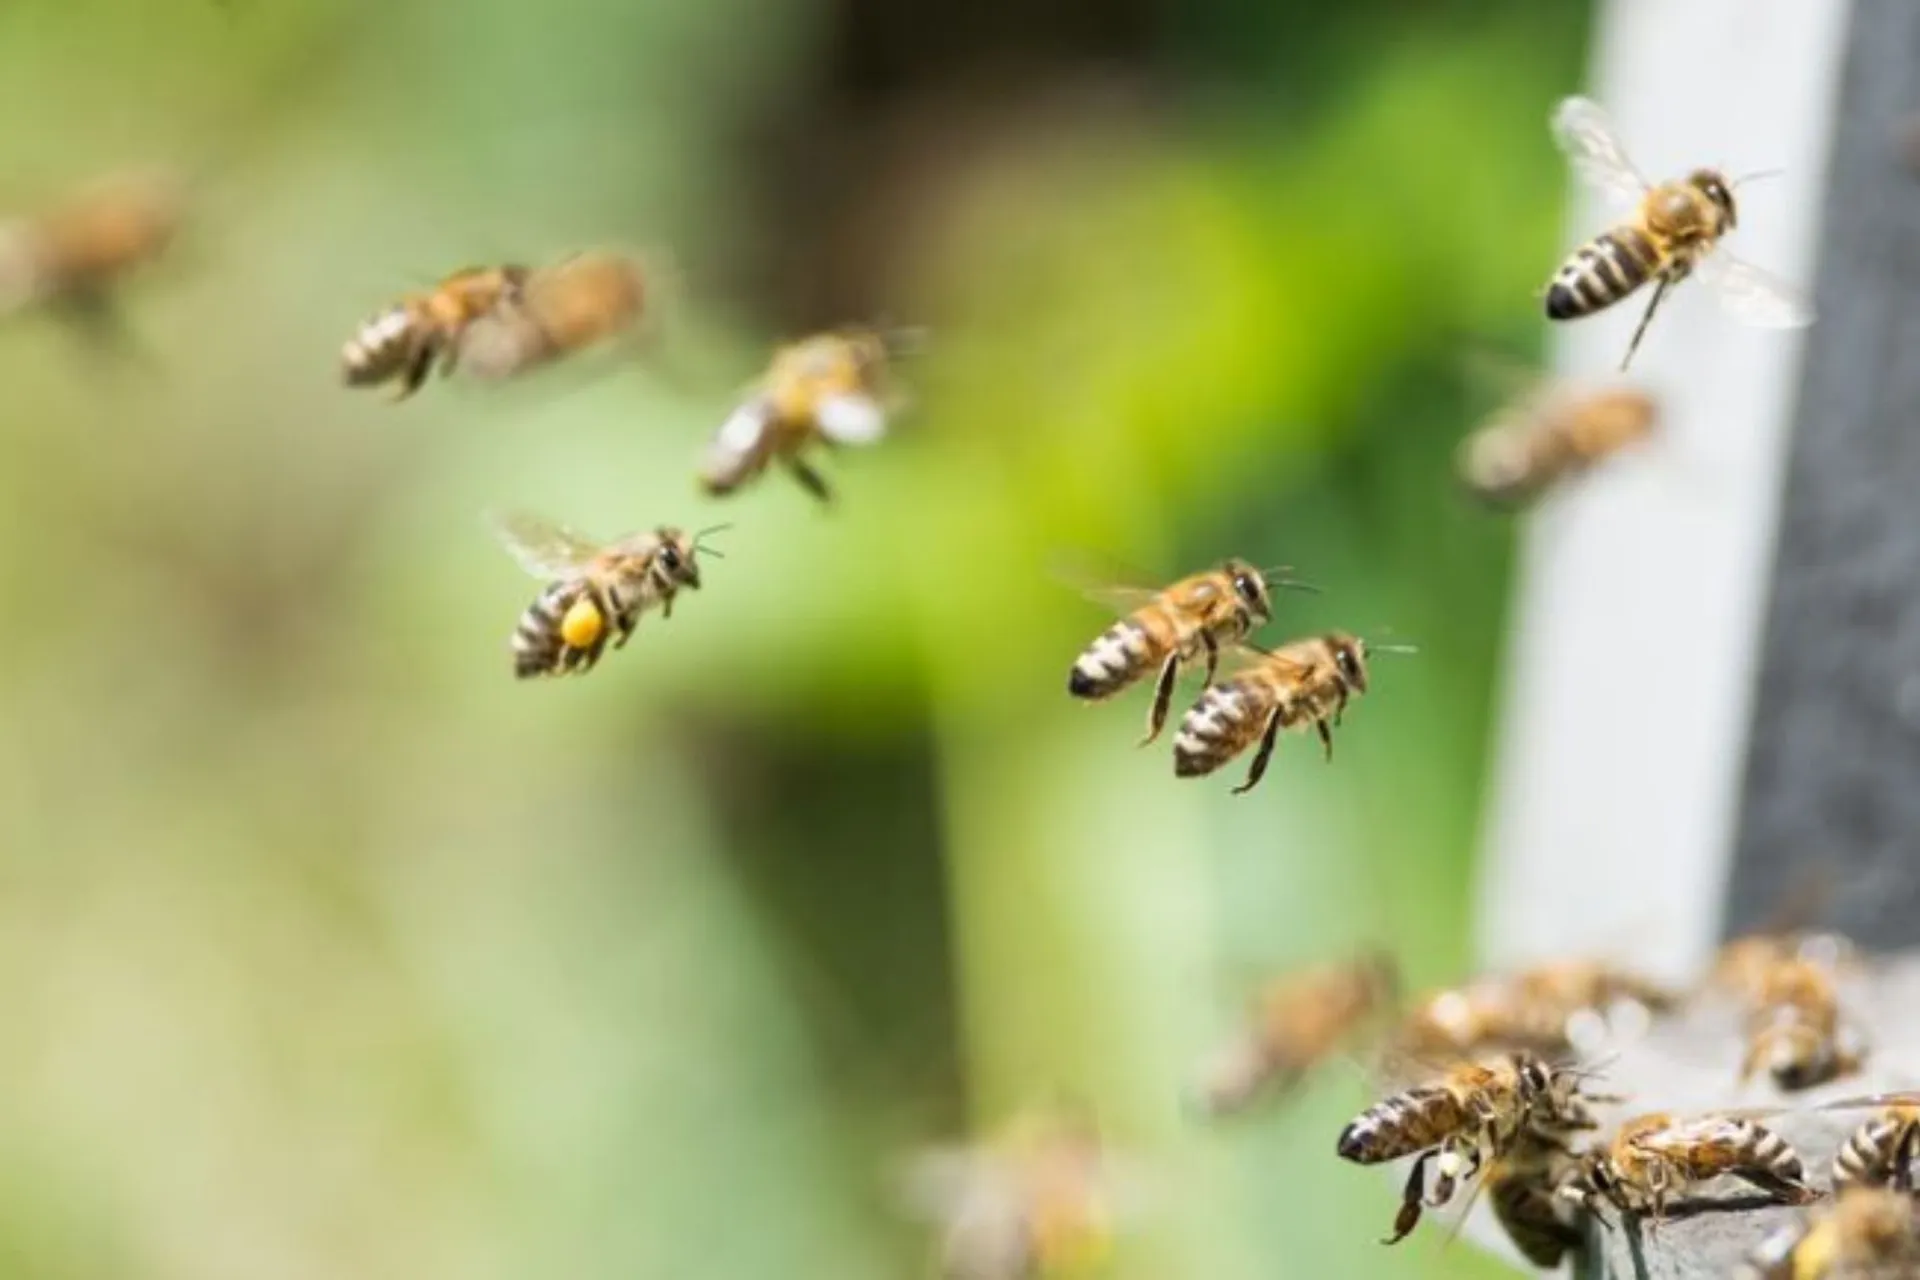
[583, 624]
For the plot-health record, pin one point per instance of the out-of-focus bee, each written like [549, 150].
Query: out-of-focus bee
[1300, 1021]
[70, 257]
[1045, 1199]
[829, 389]
[1795, 1028]
[405, 340]
[1523, 1188]
[1529, 1009]
[1654, 1158]
[596, 592]
[1867, 1233]
[1671, 235]
[1884, 1150]
[1742, 967]
[559, 311]
[1472, 1114]
[1550, 436]
[1167, 629]
[1303, 683]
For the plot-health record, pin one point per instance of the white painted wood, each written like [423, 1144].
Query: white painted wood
[1636, 625]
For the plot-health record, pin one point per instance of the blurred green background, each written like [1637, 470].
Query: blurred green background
[329, 950]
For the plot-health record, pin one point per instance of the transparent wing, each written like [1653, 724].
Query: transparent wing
[1101, 579]
[1581, 127]
[851, 418]
[544, 548]
[1755, 296]
[1239, 657]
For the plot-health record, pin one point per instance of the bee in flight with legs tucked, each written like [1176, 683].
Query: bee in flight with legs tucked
[1307, 682]
[1168, 629]
[596, 592]
[558, 311]
[404, 341]
[1550, 436]
[1672, 234]
[829, 389]
[1654, 1158]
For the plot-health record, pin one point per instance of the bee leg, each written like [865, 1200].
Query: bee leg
[419, 364]
[1326, 737]
[1261, 757]
[810, 480]
[1411, 1199]
[1162, 698]
[1659, 293]
[1785, 1190]
[1213, 654]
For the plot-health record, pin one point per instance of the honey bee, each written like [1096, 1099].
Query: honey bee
[1529, 1009]
[1307, 682]
[1167, 629]
[1867, 1233]
[1523, 1189]
[69, 258]
[1743, 967]
[559, 311]
[1472, 1114]
[829, 389]
[1672, 234]
[1300, 1021]
[1884, 1150]
[1548, 437]
[1044, 1199]
[1654, 1158]
[406, 339]
[596, 592]
[1794, 1028]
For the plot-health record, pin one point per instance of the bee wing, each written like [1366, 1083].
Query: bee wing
[851, 418]
[1755, 296]
[544, 548]
[1115, 587]
[1584, 132]
[1239, 657]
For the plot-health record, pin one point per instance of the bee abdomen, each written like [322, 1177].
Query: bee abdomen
[538, 647]
[1401, 1125]
[1213, 730]
[1526, 1208]
[1865, 1158]
[1115, 660]
[1771, 1152]
[380, 349]
[1601, 272]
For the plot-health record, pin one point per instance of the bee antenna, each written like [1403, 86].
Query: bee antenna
[699, 539]
[1273, 578]
[1756, 175]
[1393, 648]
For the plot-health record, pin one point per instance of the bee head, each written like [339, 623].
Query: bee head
[1350, 657]
[1536, 1077]
[1251, 586]
[1712, 184]
[676, 560]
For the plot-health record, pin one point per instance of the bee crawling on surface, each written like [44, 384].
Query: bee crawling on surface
[1866, 1233]
[69, 259]
[1548, 437]
[596, 592]
[1654, 1158]
[1672, 234]
[1471, 1115]
[1307, 682]
[1043, 1199]
[1168, 629]
[1301, 1020]
[403, 342]
[829, 389]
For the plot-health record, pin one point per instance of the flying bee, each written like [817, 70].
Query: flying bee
[558, 311]
[405, 340]
[1170, 628]
[1531, 1008]
[1307, 682]
[596, 592]
[1471, 1114]
[829, 389]
[1654, 1158]
[1884, 1150]
[70, 257]
[1867, 1233]
[1301, 1020]
[1671, 235]
[1548, 437]
[1795, 1028]
[1043, 1199]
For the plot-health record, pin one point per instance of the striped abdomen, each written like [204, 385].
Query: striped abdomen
[1527, 1206]
[1124, 652]
[1601, 272]
[1226, 720]
[1402, 1125]
[1753, 1152]
[562, 631]
[383, 347]
[1872, 1153]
